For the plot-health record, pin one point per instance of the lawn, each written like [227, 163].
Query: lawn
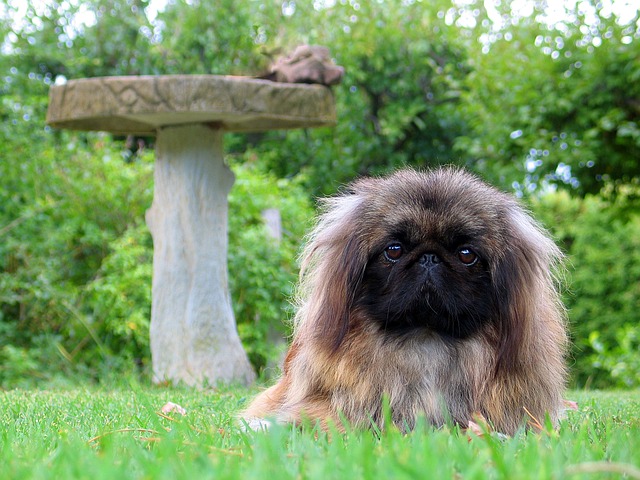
[121, 433]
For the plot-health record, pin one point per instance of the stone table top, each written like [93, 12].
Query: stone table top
[143, 104]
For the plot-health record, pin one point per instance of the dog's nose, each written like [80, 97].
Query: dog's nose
[429, 259]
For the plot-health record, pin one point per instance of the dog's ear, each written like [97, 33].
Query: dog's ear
[524, 287]
[340, 282]
[509, 280]
[333, 265]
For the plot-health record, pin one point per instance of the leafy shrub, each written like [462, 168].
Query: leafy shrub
[76, 261]
[118, 300]
[262, 272]
[601, 238]
[66, 210]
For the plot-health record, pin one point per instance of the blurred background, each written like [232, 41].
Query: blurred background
[541, 100]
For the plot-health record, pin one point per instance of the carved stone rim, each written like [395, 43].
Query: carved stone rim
[143, 104]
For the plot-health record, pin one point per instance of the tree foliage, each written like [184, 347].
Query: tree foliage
[405, 74]
[601, 237]
[571, 118]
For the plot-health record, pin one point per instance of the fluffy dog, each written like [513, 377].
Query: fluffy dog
[432, 290]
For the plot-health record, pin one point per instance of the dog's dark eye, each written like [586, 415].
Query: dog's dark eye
[467, 256]
[393, 252]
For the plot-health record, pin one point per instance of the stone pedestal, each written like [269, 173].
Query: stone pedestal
[193, 332]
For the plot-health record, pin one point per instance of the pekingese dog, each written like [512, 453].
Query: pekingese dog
[432, 290]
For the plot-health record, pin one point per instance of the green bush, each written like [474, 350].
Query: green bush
[263, 272]
[76, 261]
[69, 204]
[118, 300]
[601, 238]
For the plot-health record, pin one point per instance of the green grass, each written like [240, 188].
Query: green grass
[118, 434]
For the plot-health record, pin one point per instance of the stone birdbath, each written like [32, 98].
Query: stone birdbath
[193, 332]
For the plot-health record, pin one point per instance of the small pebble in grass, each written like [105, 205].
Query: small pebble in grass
[170, 407]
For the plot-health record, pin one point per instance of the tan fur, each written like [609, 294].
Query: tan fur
[339, 369]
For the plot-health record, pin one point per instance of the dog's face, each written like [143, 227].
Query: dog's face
[421, 277]
[439, 251]
[430, 255]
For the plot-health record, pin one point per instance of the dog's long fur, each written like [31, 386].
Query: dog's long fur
[341, 364]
